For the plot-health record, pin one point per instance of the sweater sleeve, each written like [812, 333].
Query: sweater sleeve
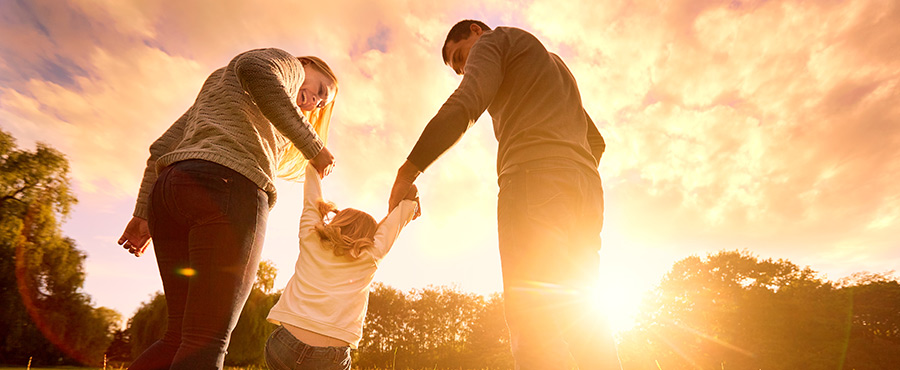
[390, 228]
[266, 75]
[481, 80]
[595, 140]
[164, 144]
[312, 194]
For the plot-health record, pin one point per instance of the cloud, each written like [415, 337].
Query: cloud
[764, 120]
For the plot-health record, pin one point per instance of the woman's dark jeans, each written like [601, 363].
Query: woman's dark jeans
[207, 222]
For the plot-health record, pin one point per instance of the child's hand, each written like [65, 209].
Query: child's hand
[413, 195]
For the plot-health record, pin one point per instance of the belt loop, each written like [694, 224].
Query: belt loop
[303, 352]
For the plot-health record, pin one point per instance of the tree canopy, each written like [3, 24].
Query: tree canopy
[734, 310]
[45, 315]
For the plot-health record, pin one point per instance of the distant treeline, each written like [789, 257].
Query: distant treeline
[728, 310]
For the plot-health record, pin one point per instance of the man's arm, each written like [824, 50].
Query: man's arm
[481, 80]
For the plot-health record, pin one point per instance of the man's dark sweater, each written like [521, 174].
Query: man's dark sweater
[531, 96]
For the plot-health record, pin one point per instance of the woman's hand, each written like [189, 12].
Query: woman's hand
[323, 162]
[136, 237]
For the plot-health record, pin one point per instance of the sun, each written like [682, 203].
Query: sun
[619, 295]
[620, 303]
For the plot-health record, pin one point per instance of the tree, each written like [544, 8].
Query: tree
[875, 334]
[487, 346]
[148, 324]
[434, 328]
[248, 340]
[733, 310]
[385, 331]
[119, 350]
[43, 314]
[441, 318]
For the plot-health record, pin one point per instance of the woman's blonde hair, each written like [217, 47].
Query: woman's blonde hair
[292, 164]
[349, 232]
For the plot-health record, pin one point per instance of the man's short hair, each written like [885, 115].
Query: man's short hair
[459, 32]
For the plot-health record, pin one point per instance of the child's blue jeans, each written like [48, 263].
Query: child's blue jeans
[284, 352]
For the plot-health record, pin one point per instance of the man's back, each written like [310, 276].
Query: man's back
[536, 107]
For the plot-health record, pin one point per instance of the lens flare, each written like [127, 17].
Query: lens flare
[187, 271]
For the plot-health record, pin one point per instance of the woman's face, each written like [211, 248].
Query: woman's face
[317, 89]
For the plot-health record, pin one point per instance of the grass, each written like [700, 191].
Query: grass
[100, 368]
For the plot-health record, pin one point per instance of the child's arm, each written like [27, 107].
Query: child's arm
[390, 227]
[312, 194]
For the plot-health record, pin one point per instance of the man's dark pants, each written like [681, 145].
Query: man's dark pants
[550, 213]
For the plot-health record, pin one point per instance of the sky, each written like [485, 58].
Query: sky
[767, 126]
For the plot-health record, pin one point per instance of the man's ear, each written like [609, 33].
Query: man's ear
[475, 29]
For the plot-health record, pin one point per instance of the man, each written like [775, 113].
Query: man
[550, 206]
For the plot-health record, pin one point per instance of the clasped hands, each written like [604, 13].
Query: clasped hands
[404, 188]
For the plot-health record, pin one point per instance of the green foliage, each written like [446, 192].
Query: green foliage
[875, 335]
[148, 324]
[248, 340]
[43, 313]
[434, 328]
[265, 276]
[733, 310]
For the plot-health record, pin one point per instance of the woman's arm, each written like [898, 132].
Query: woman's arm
[271, 77]
[163, 145]
[136, 236]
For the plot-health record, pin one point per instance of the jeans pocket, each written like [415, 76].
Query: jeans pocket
[200, 197]
[551, 195]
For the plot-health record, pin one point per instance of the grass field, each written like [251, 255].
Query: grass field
[100, 368]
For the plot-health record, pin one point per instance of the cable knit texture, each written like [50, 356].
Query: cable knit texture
[244, 117]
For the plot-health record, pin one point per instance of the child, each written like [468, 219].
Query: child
[322, 308]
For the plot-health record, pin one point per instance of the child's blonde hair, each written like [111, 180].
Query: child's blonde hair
[349, 232]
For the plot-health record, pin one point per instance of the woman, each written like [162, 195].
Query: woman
[208, 188]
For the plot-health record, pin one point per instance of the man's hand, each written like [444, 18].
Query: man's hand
[406, 175]
[136, 237]
[323, 162]
[413, 195]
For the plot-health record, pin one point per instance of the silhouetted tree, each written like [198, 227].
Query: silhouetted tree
[434, 328]
[386, 330]
[248, 340]
[875, 333]
[119, 350]
[44, 315]
[148, 324]
[488, 344]
[733, 310]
